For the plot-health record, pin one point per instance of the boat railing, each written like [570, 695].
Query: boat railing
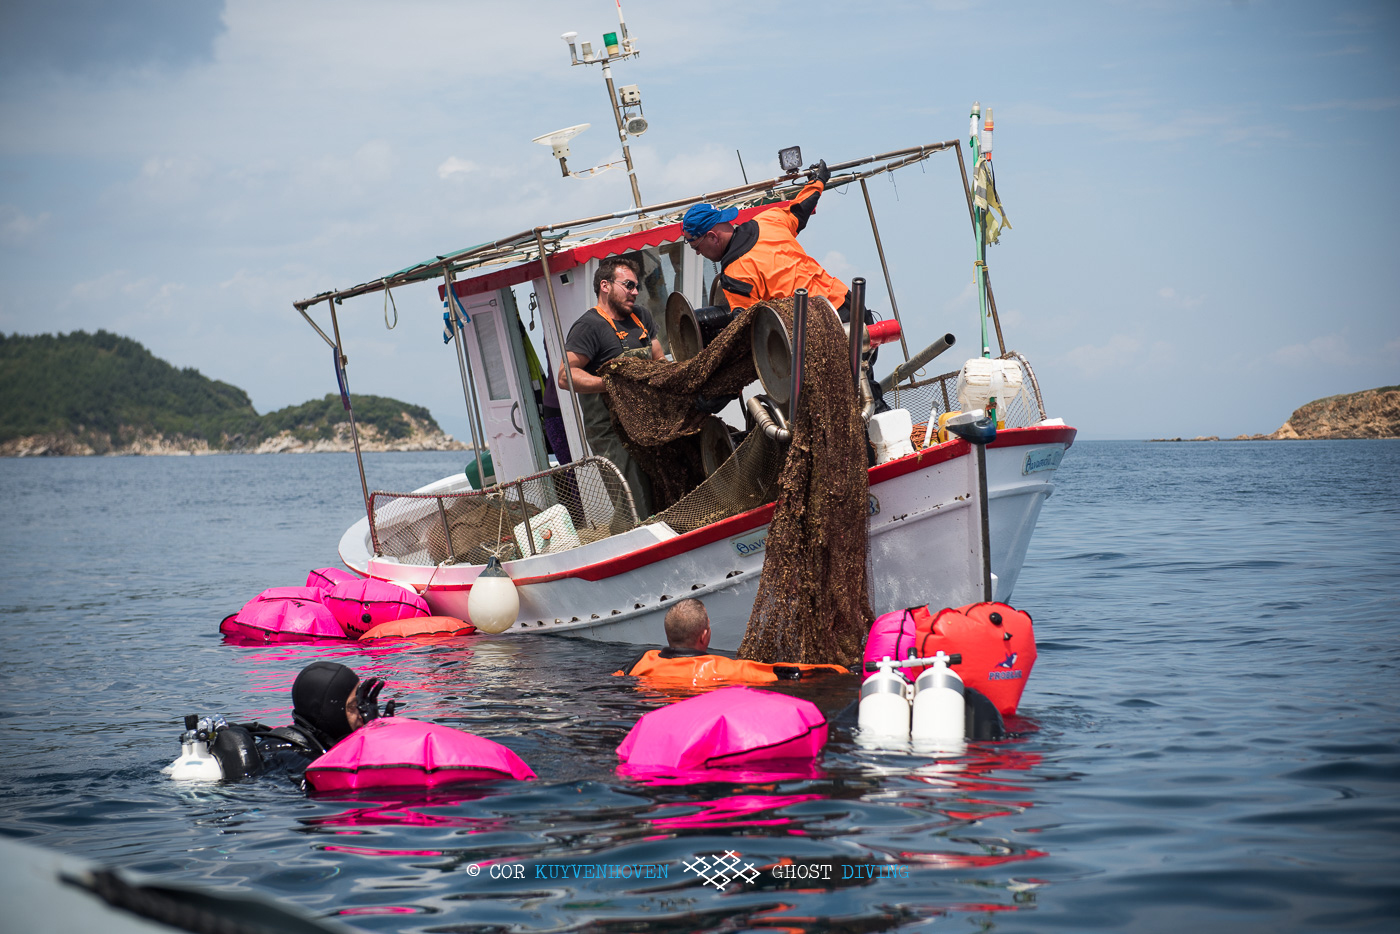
[544, 513]
[929, 398]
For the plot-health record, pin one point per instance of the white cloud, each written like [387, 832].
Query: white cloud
[1170, 295]
[835, 262]
[167, 180]
[1357, 103]
[1120, 353]
[707, 168]
[1221, 125]
[17, 227]
[454, 166]
[965, 298]
[1325, 349]
[126, 299]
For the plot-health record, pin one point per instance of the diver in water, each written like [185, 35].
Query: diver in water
[329, 702]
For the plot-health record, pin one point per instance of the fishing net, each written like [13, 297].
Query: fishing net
[812, 604]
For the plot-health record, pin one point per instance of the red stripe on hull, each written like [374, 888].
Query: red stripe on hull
[745, 521]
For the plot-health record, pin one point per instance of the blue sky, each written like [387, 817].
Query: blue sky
[1204, 194]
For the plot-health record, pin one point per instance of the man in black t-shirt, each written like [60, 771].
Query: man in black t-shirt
[616, 325]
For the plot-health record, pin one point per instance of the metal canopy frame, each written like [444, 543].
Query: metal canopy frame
[525, 245]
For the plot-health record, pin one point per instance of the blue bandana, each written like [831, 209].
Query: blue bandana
[701, 217]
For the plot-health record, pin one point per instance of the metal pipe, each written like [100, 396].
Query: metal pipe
[856, 327]
[468, 384]
[986, 522]
[559, 332]
[342, 360]
[967, 188]
[884, 266]
[916, 362]
[799, 350]
[765, 422]
[622, 134]
[525, 514]
[447, 529]
[413, 273]
[316, 327]
[867, 400]
[992, 301]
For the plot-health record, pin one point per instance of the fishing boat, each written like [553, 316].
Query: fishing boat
[950, 521]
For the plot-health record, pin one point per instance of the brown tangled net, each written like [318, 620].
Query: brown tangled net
[812, 604]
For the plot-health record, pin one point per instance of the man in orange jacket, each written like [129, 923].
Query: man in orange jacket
[761, 259]
[687, 658]
[687, 635]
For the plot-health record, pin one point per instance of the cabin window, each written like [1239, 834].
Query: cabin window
[661, 275]
[488, 339]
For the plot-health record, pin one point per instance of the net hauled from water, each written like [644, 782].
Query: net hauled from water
[812, 604]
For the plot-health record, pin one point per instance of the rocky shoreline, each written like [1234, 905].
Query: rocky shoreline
[1371, 413]
[141, 444]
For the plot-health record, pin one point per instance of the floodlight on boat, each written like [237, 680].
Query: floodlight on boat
[558, 141]
[636, 126]
[790, 159]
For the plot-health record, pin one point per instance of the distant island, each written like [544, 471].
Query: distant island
[1371, 413]
[84, 394]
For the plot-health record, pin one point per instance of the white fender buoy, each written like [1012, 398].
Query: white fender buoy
[493, 603]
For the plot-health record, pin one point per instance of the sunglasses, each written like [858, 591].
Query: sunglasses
[628, 284]
[697, 238]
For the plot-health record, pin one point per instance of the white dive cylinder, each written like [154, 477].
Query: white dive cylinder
[196, 762]
[884, 705]
[939, 704]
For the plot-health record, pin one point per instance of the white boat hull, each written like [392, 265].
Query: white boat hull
[925, 547]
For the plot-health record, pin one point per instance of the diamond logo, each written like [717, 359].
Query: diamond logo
[722, 870]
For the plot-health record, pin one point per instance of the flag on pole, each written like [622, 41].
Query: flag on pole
[984, 196]
[340, 379]
[463, 319]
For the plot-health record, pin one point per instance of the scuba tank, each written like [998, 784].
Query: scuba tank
[212, 749]
[939, 708]
[886, 699]
[196, 762]
[884, 704]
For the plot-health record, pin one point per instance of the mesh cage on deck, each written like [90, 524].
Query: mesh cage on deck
[938, 395]
[547, 512]
[748, 479]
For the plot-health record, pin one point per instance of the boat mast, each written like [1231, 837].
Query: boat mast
[620, 50]
[980, 217]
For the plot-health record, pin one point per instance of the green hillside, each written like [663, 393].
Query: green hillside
[106, 390]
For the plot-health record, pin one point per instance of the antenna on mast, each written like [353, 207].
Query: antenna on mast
[558, 140]
[626, 102]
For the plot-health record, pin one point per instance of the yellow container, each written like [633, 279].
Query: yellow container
[943, 425]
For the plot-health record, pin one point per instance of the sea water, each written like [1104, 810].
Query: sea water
[1209, 741]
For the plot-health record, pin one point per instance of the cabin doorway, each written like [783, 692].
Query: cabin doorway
[507, 382]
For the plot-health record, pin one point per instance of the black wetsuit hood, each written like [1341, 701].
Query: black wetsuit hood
[318, 700]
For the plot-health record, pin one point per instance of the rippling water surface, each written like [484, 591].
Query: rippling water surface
[1209, 741]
